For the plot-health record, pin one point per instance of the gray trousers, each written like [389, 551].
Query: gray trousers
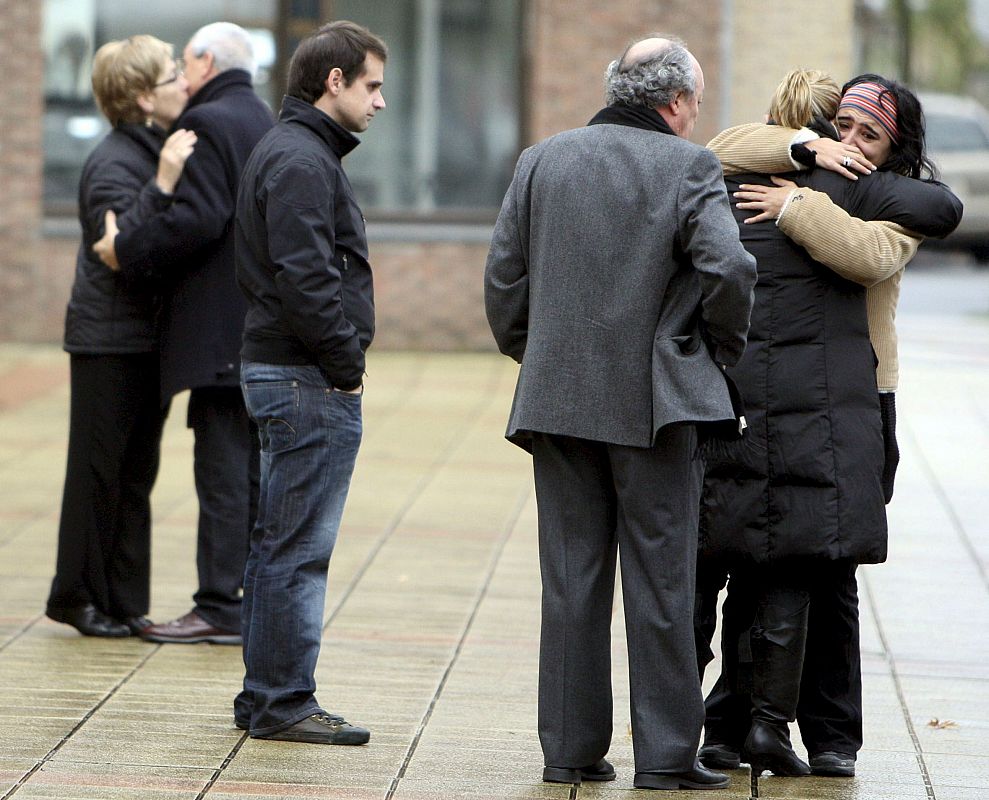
[597, 502]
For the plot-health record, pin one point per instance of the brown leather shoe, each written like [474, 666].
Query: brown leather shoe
[189, 629]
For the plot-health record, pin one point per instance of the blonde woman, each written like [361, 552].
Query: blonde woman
[101, 584]
[792, 509]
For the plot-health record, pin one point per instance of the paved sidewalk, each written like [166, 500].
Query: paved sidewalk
[432, 611]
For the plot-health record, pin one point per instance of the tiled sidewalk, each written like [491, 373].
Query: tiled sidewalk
[432, 611]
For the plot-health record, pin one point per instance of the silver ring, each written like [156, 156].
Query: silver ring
[846, 161]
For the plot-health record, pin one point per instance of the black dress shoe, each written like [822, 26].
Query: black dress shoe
[136, 625]
[89, 621]
[719, 756]
[321, 729]
[697, 778]
[832, 765]
[601, 771]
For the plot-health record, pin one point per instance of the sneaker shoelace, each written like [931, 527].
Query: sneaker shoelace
[331, 719]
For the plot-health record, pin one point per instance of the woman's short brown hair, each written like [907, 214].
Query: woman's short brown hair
[125, 69]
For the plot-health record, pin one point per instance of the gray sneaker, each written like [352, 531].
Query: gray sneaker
[321, 729]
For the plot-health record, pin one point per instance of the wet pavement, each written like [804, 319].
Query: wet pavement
[432, 610]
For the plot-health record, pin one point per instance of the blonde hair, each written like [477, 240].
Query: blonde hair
[802, 95]
[124, 70]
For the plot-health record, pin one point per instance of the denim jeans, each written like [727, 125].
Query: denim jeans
[310, 434]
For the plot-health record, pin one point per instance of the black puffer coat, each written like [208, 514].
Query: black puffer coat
[107, 312]
[805, 480]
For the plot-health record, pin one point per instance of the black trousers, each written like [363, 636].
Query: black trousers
[829, 711]
[104, 534]
[598, 503]
[227, 469]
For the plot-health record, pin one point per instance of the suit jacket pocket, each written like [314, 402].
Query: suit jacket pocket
[687, 385]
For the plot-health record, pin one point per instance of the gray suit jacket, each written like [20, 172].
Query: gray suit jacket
[617, 279]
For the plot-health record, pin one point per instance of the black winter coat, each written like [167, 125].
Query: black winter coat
[302, 257]
[805, 480]
[190, 245]
[108, 312]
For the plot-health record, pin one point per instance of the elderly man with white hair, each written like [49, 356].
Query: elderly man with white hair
[189, 248]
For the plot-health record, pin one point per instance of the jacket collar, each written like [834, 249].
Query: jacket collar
[151, 138]
[632, 116]
[339, 140]
[214, 87]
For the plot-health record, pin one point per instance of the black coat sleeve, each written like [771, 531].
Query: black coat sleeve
[925, 207]
[201, 209]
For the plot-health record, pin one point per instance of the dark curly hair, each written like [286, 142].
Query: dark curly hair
[909, 155]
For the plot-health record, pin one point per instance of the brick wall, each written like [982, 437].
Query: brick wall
[571, 42]
[428, 295]
[22, 61]
[769, 39]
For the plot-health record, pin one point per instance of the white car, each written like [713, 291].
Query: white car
[958, 142]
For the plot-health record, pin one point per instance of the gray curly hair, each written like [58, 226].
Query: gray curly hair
[653, 79]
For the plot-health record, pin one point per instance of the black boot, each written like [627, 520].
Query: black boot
[768, 747]
[778, 639]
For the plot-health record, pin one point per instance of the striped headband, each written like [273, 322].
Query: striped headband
[876, 101]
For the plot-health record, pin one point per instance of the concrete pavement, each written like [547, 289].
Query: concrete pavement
[432, 610]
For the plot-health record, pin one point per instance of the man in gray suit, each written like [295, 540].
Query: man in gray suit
[617, 280]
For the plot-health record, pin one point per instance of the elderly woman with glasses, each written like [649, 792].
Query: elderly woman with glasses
[102, 577]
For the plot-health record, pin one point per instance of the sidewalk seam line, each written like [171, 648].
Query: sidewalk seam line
[21, 632]
[75, 728]
[226, 763]
[482, 593]
[428, 476]
[390, 528]
[468, 625]
[898, 686]
[949, 508]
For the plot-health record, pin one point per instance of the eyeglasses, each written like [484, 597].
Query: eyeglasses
[179, 72]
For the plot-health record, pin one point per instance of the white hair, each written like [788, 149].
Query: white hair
[230, 45]
[653, 79]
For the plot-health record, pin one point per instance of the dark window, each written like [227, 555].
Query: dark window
[445, 145]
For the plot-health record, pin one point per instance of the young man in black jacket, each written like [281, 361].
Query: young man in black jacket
[302, 264]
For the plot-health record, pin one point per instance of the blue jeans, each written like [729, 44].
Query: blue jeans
[310, 434]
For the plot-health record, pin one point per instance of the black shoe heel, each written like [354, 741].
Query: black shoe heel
[755, 770]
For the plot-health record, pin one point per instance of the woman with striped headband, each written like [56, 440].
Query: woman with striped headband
[881, 124]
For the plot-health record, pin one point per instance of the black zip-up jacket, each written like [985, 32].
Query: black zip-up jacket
[108, 312]
[302, 250]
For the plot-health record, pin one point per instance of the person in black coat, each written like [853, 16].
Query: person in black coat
[101, 584]
[189, 246]
[795, 506]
